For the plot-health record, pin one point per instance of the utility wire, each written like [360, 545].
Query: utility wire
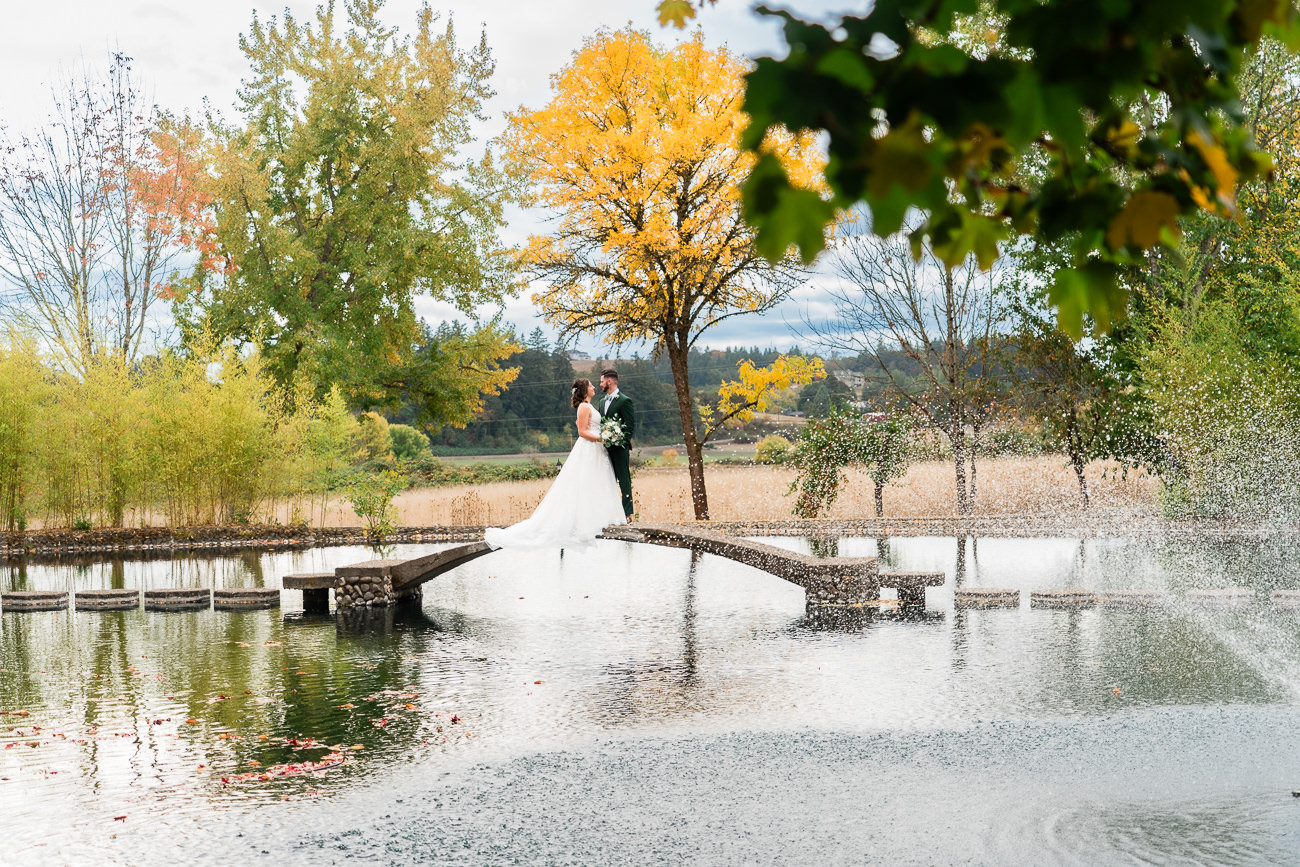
[639, 414]
[622, 377]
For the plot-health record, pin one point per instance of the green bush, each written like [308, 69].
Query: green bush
[772, 450]
[371, 497]
[1012, 442]
[433, 473]
[408, 444]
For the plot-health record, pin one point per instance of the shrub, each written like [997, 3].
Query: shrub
[1012, 442]
[371, 497]
[772, 450]
[433, 473]
[408, 444]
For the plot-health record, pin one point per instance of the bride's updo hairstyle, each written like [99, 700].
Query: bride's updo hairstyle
[580, 387]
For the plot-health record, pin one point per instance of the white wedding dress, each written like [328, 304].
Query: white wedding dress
[583, 500]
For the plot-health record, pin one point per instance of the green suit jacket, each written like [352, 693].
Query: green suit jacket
[620, 408]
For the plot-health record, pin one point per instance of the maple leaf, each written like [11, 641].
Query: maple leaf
[675, 12]
[1146, 214]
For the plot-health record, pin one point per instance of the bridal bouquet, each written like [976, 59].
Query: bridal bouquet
[612, 433]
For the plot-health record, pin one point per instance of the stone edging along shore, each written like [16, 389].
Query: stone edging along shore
[164, 541]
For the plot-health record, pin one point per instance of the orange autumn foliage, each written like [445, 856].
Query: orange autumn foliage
[637, 159]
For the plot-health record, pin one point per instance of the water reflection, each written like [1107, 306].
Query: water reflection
[126, 712]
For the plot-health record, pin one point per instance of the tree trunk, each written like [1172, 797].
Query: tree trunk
[959, 570]
[1083, 482]
[677, 351]
[1075, 440]
[974, 451]
[880, 498]
[958, 439]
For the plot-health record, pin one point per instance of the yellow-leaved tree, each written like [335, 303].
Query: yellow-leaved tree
[638, 159]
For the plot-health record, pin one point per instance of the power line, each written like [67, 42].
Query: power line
[621, 377]
[639, 414]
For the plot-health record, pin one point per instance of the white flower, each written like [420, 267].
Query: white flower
[611, 432]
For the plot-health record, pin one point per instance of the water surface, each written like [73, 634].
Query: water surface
[632, 704]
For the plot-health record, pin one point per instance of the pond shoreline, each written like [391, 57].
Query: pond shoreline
[141, 541]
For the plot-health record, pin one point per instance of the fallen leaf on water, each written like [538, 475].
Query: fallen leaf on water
[347, 706]
[411, 707]
[357, 747]
[255, 763]
[192, 721]
[119, 818]
[1115, 690]
[539, 681]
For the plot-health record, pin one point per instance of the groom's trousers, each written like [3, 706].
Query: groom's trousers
[621, 459]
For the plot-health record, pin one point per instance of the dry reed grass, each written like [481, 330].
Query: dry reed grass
[1007, 486]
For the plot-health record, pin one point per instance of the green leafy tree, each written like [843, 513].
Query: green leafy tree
[943, 320]
[341, 199]
[372, 439]
[828, 446]
[821, 398]
[24, 387]
[1228, 415]
[1070, 387]
[1131, 109]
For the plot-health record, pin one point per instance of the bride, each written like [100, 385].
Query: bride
[583, 499]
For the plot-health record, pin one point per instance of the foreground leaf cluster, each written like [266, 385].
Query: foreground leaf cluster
[1128, 112]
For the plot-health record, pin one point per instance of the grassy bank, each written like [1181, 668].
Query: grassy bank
[1038, 485]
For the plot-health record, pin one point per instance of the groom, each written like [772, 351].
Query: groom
[617, 406]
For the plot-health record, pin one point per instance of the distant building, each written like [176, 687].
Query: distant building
[851, 378]
[579, 355]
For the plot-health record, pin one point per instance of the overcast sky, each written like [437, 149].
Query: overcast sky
[186, 52]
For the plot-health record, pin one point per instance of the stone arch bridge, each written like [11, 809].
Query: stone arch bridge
[825, 581]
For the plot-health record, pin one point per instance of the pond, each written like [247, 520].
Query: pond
[634, 704]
